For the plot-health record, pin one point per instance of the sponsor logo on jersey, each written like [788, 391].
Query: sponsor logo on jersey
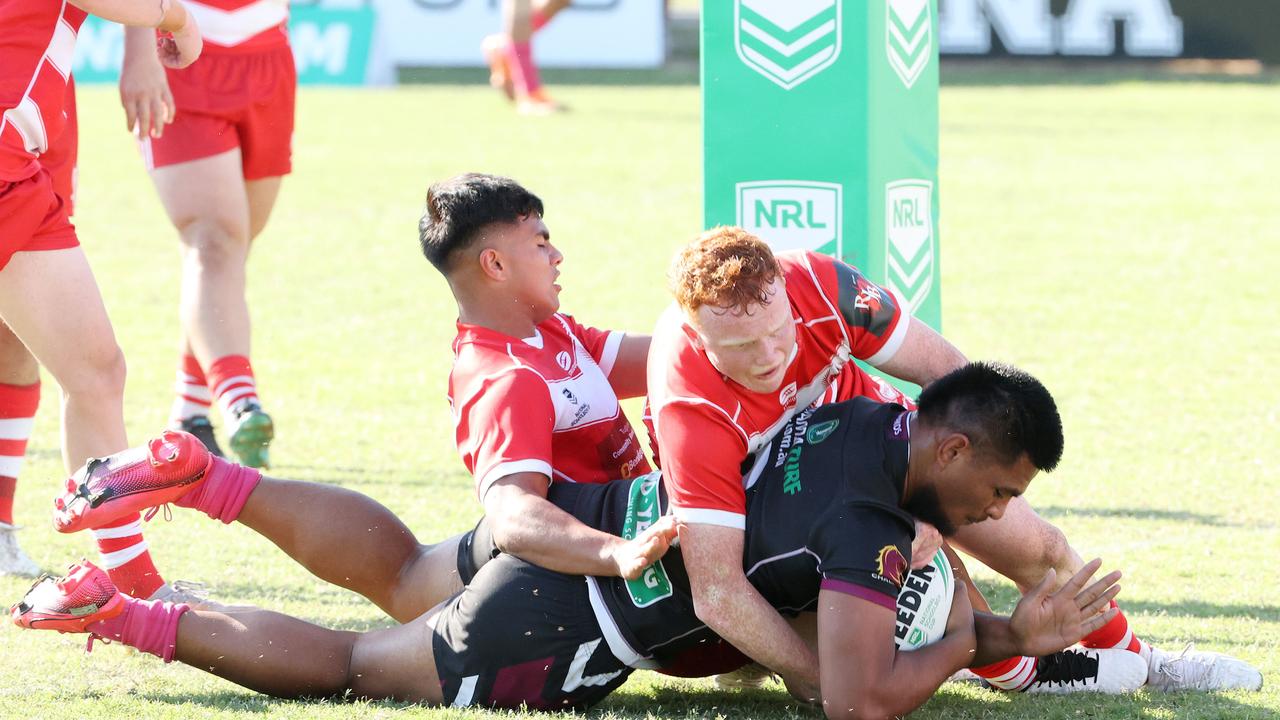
[788, 394]
[787, 41]
[901, 428]
[643, 510]
[821, 431]
[569, 394]
[891, 566]
[908, 38]
[792, 214]
[909, 240]
[564, 360]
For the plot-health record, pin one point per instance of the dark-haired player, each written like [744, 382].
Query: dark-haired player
[820, 528]
[754, 338]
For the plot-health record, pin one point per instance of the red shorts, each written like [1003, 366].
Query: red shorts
[227, 100]
[33, 217]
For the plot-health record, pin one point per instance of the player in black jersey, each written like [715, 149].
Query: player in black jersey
[829, 527]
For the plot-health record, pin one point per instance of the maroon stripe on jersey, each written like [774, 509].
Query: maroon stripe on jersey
[859, 591]
[523, 683]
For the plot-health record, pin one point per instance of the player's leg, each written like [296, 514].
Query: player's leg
[51, 301]
[19, 398]
[214, 227]
[518, 24]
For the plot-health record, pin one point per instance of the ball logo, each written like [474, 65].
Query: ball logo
[564, 360]
[788, 394]
[891, 565]
[787, 41]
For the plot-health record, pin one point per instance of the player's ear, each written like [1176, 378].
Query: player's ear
[491, 264]
[952, 447]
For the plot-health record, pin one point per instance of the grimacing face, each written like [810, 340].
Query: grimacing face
[532, 264]
[752, 348]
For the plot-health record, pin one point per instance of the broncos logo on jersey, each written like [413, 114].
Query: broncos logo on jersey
[891, 565]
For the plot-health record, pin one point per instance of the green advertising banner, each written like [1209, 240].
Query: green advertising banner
[331, 46]
[820, 131]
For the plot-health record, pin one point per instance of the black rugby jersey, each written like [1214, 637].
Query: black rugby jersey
[822, 511]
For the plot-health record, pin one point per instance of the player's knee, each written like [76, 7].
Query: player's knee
[216, 243]
[101, 377]
[1054, 548]
[15, 360]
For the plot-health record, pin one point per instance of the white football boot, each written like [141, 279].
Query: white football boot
[1194, 669]
[12, 560]
[1113, 672]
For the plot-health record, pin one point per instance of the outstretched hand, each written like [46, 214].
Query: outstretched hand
[1045, 622]
[633, 556]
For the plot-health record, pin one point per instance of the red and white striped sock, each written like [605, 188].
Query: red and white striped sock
[191, 391]
[123, 554]
[1116, 634]
[1013, 674]
[18, 405]
[231, 378]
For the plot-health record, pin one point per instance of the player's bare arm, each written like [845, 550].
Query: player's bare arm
[924, 355]
[179, 49]
[628, 374]
[144, 89]
[526, 525]
[726, 601]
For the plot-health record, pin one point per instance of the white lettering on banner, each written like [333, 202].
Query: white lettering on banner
[1027, 27]
[598, 33]
[325, 47]
[792, 214]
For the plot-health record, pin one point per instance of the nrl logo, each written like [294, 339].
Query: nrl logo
[792, 214]
[787, 41]
[908, 38]
[908, 223]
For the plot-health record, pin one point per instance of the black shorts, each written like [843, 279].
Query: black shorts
[521, 635]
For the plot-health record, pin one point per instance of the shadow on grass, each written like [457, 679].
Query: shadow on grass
[1003, 596]
[1181, 516]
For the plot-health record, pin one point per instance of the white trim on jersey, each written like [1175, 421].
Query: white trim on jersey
[25, 117]
[232, 27]
[783, 556]
[618, 645]
[501, 470]
[533, 341]
[466, 691]
[610, 354]
[16, 428]
[62, 48]
[899, 334]
[703, 516]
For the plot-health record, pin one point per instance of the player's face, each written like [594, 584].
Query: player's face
[532, 265]
[753, 348]
[975, 486]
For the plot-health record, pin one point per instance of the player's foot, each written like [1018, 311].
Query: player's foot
[194, 594]
[1103, 671]
[1194, 669]
[12, 560]
[251, 434]
[752, 675]
[83, 596]
[538, 103]
[203, 430]
[494, 48]
[107, 489]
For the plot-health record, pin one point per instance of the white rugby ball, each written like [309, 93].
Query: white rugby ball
[924, 604]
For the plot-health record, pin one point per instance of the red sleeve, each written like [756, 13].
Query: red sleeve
[872, 314]
[504, 426]
[602, 344]
[701, 460]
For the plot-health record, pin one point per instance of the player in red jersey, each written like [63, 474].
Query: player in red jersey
[510, 54]
[732, 362]
[224, 126]
[48, 297]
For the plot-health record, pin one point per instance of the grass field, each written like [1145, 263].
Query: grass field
[1116, 238]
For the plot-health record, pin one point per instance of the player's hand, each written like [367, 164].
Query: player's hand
[181, 47]
[960, 621]
[144, 93]
[1045, 622]
[633, 556]
[928, 541]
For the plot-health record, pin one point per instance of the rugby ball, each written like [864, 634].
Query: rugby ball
[924, 604]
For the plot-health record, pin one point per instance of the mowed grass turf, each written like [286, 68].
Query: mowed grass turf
[1116, 239]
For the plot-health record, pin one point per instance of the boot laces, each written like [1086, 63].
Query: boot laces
[1067, 667]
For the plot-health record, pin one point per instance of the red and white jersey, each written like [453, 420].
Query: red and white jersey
[241, 24]
[542, 404]
[704, 425]
[37, 44]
